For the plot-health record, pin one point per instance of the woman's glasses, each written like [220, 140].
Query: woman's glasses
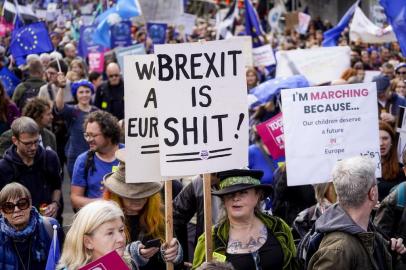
[22, 204]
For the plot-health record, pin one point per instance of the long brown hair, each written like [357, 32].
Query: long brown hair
[4, 103]
[390, 162]
[151, 219]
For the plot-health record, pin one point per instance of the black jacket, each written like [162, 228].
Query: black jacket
[111, 98]
[41, 178]
[188, 203]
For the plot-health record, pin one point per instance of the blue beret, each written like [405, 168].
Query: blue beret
[75, 86]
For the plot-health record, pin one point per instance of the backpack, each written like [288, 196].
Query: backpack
[308, 246]
[401, 195]
[29, 92]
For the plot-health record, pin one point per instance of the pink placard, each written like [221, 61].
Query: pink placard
[271, 133]
[96, 61]
[110, 261]
[5, 27]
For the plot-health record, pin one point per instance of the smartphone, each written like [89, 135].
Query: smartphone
[153, 243]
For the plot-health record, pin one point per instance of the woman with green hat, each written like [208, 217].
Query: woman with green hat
[246, 237]
[141, 203]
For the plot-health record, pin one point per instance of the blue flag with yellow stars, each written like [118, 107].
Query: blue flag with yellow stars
[252, 24]
[30, 39]
[10, 81]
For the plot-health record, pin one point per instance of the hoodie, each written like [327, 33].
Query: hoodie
[347, 246]
[41, 178]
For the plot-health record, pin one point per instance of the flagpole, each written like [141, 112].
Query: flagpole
[59, 65]
[55, 227]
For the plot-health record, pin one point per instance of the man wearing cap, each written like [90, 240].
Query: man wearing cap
[349, 239]
[247, 237]
[388, 102]
[110, 95]
[102, 133]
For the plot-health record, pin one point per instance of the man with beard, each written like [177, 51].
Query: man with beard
[36, 168]
[102, 133]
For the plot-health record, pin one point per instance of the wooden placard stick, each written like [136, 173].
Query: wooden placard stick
[207, 216]
[168, 217]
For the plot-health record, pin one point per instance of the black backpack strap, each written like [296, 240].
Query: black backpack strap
[50, 92]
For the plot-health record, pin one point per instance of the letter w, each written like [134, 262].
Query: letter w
[145, 71]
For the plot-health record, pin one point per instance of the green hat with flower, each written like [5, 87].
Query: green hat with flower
[232, 181]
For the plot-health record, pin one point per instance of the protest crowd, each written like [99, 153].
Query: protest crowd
[75, 193]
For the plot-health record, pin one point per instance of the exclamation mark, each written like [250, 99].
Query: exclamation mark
[239, 124]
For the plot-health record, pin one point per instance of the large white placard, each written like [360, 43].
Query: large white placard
[141, 118]
[326, 124]
[318, 65]
[202, 112]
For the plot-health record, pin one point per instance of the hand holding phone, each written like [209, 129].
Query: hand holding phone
[153, 243]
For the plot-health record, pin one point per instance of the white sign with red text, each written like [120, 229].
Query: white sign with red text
[325, 124]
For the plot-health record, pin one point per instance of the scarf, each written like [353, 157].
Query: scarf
[33, 229]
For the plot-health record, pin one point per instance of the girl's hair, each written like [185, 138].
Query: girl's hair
[320, 191]
[4, 102]
[252, 70]
[348, 73]
[390, 162]
[152, 220]
[82, 67]
[394, 84]
[85, 222]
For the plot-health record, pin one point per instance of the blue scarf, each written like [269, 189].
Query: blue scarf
[34, 229]
[11, 232]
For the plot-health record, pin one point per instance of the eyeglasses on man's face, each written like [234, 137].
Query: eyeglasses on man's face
[90, 136]
[29, 143]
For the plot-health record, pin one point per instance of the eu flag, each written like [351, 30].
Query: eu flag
[30, 39]
[395, 11]
[331, 36]
[124, 9]
[252, 24]
[10, 81]
[54, 251]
